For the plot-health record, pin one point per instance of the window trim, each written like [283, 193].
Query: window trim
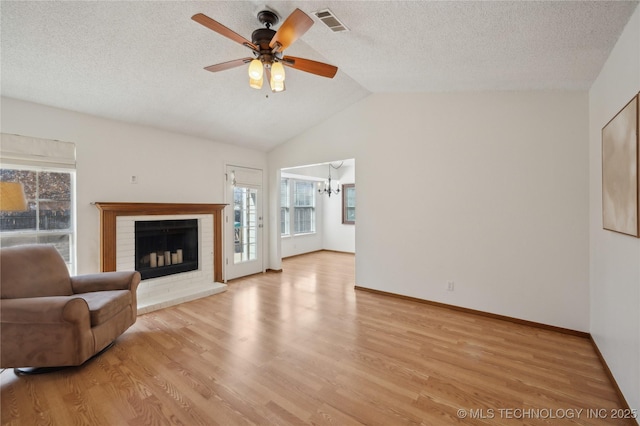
[285, 232]
[291, 208]
[345, 188]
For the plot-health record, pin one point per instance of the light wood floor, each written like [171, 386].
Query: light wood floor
[304, 347]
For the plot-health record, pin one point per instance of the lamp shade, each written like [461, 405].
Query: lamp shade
[12, 198]
[255, 70]
[276, 85]
[255, 84]
[277, 71]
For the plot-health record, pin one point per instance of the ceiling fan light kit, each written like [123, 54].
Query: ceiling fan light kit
[255, 69]
[277, 86]
[277, 71]
[255, 83]
[267, 46]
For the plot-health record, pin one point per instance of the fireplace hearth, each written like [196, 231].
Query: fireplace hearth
[166, 247]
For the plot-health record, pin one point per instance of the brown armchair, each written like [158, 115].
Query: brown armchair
[50, 319]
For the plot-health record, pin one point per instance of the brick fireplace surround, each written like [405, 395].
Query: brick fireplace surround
[117, 221]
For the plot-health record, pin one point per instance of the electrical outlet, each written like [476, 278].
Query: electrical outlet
[450, 286]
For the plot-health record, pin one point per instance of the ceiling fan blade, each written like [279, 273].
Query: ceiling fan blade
[227, 65]
[291, 29]
[313, 67]
[267, 74]
[222, 30]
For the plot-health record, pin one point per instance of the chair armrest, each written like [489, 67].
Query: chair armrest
[44, 310]
[118, 280]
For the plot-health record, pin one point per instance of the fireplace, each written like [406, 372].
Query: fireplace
[166, 247]
[118, 250]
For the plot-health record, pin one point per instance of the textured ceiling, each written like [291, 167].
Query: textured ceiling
[142, 61]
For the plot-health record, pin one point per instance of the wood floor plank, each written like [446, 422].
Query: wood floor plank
[304, 347]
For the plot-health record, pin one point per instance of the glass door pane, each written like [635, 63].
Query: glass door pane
[245, 224]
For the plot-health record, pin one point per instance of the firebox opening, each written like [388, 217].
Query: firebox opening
[166, 247]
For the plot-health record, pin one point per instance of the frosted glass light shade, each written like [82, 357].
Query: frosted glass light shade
[276, 86]
[277, 71]
[255, 70]
[256, 83]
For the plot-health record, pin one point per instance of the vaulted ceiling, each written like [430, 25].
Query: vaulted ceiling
[142, 61]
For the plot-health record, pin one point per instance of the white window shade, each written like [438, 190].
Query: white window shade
[246, 177]
[29, 151]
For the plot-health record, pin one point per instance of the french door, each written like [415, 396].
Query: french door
[243, 222]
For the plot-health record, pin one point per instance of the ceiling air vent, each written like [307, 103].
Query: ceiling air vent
[330, 20]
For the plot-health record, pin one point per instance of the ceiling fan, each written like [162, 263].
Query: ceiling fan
[268, 46]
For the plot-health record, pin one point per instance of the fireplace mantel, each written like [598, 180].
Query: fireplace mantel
[109, 211]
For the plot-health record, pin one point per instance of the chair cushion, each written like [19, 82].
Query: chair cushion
[103, 305]
[33, 270]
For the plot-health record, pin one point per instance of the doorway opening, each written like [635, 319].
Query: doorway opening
[311, 208]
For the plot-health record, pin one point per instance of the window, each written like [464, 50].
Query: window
[49, 218]
[304, 207]
[349, 204]
[299, 216]
[47, 170]
[285, 204]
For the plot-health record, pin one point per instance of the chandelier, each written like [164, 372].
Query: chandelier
[326, 188]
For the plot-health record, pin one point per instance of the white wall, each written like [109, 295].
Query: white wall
[171, 168]
[337, 236]
[489, 190]
[615, 258]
